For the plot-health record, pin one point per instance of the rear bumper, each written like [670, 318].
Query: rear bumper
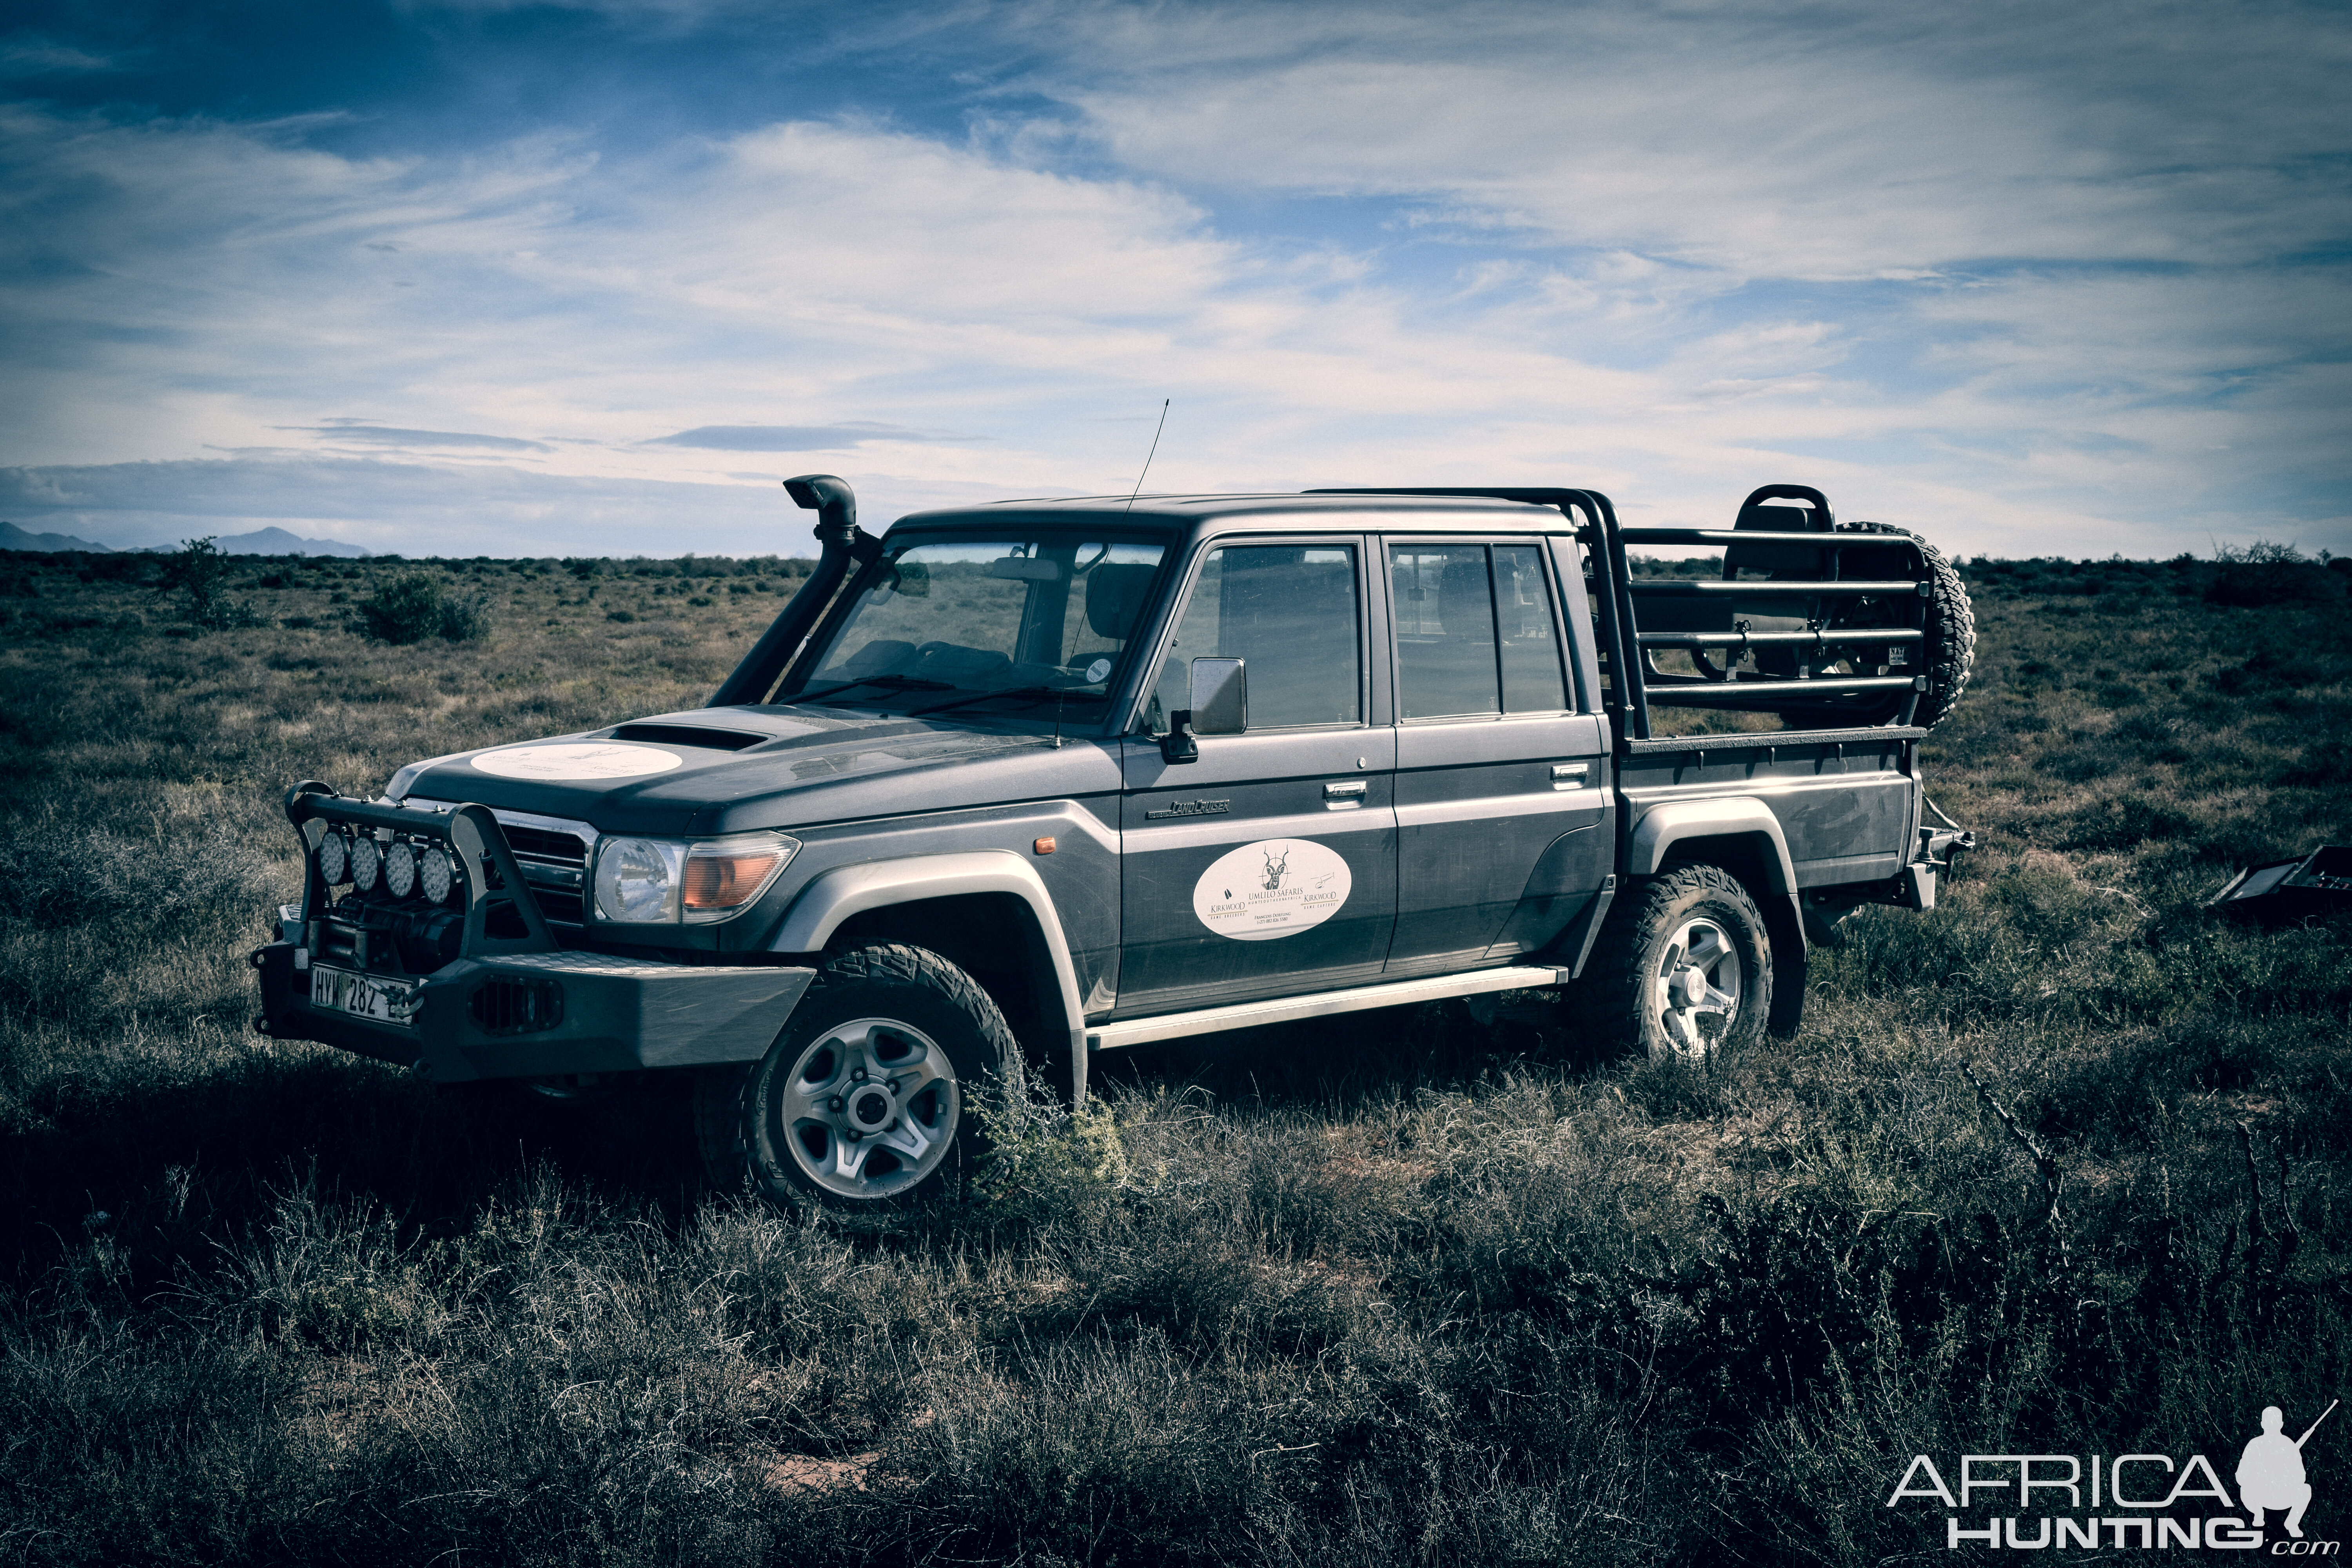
[547, 1013]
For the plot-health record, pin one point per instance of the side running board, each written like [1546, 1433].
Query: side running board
[1321, 1004]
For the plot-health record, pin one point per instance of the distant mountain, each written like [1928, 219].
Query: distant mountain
[265, 541]
[278, 542]
[14, 538]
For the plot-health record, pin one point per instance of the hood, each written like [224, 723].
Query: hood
[727, 770]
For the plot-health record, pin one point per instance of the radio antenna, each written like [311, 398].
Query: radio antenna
[1148, 456]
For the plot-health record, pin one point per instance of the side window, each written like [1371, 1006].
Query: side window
[1445, 631]
[1289, 611]
[1475, 632]
[1533, 680]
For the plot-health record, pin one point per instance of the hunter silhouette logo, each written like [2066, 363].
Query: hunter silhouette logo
[2270, 1474]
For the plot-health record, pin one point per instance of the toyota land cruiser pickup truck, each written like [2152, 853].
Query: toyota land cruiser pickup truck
[1022, 783]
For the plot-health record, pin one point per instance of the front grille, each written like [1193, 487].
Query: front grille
[555, 865]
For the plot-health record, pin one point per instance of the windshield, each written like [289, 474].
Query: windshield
[996, 625]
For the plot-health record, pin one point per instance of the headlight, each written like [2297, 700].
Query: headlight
[434, 871]
[636, 879]
[334, 859]
[400, 870]
[366, 860]
[652, 880]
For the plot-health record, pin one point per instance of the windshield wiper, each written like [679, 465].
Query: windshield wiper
[901, 682]
[1029, 694]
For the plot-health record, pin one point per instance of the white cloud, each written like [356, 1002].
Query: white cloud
[1834, 140]
[1998, 273]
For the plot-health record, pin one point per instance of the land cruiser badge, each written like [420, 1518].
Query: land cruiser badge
[1275, 887]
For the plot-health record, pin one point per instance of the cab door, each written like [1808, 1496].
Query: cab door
[1267, 867]
[1502, 786]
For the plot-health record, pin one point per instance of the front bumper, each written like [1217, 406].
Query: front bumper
[545, 1014]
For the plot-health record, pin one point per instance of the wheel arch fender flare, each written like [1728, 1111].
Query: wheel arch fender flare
[1750, 821]
[834, 896]
[1732, 816]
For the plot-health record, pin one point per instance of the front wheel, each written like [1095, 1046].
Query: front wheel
[863, 1103]
[1687, 973]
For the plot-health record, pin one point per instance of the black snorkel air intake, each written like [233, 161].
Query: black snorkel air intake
[841, 547]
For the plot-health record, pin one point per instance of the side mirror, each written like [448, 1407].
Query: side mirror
[1220, 697]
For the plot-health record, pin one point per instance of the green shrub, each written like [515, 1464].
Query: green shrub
[1042, 1158]
[465, 618]
[198, 572]
[2263, 574]
[413, 608]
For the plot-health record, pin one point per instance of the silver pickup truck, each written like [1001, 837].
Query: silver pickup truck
[1016, 783]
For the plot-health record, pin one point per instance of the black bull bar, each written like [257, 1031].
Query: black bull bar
[511, 1002]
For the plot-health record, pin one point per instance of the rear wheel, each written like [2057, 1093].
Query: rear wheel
[1685, 974]
[863, 1100]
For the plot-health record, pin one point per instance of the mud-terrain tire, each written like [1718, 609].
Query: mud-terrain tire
[864, 1101]
[1947, 651]
[1684, 970]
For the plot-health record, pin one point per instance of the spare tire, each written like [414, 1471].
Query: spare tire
[1947, 648]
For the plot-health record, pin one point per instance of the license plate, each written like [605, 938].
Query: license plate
[363, 995]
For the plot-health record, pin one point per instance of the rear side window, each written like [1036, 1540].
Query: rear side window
[1475, 632]
[1533, 678]
[1289, 612]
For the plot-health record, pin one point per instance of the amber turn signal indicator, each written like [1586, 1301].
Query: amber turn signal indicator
[720, 881]
[1045, 846]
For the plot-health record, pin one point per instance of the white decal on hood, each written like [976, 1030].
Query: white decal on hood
[1275, 887]
[578, 760]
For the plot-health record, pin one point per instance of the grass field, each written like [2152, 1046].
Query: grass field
[1400, 1287]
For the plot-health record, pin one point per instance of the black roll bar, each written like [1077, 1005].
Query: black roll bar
[1625, 700]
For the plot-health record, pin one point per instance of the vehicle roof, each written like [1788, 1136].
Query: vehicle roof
[1287, 511]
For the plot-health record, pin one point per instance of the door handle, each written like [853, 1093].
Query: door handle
[1351, 792]
[1568, 775]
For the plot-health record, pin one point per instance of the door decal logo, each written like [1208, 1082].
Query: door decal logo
[1275, 887]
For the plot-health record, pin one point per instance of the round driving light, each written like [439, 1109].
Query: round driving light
[434, 870]
[334, 859]
[400, 870]
[366, 860]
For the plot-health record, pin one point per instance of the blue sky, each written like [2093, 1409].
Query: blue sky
[459, 279]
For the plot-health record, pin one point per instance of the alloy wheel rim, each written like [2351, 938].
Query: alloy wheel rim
[869, 1109]
[1697, 988]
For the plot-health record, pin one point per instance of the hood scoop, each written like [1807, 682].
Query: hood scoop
[689, 735]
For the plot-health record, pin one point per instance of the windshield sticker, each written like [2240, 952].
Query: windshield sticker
[578, 760]
[1275, 887]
